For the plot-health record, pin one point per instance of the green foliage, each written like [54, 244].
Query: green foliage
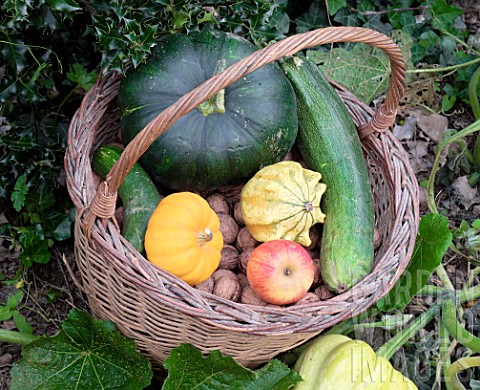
[372, 68]
[51, 53]
[10, 311]
[467, 237]
[188, 369]
[433, 239]
[86, 354]
[432, 29]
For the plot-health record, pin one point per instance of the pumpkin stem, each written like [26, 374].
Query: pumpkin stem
[216, 103]
[205, 236]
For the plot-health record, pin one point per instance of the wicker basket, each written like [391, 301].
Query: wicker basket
[160, 311]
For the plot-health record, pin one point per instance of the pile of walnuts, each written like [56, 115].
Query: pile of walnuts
[230, 281]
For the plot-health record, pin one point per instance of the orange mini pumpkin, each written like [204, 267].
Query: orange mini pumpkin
[183, 237]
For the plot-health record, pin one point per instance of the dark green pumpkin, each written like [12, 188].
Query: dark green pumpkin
[204, 150]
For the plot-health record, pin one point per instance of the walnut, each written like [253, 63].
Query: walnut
[243, 280]
[243, 259]
[218, 203]
[316, 276]
[231, 192]
[119, 216]
[288, 156]
[229, 259]
[228, 227]
[96, 180]
[206, 285]
[227, 288]
[237, 214]
[314, 234]
[377, 238]
[309, 297]
[314, 254]
[250, 298]
[323, 292]
[219, 273]
[245, 239]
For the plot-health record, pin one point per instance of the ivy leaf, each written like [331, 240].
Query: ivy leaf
[78, 74]
[19, 193]
[35, 247]
[86, 354]
[444, 14]
[63, 229]
[188, 369]
[21, 323]
[433, 239]
[314, 18]
[335, 5]
[14, 300]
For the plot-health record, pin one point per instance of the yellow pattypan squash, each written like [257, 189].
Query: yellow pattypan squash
[282, 201]
[183, 237]
[337, 362]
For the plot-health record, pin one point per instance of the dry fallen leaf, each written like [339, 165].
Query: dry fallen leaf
[419, 153]
[466, 193]
[405, 131]
[434, 126]
[420, 92]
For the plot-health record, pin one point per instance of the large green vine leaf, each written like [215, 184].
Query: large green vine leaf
[84, 354]
[188, 370]
[364, 70]
[433, 239]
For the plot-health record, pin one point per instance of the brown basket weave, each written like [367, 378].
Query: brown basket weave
[159, 310]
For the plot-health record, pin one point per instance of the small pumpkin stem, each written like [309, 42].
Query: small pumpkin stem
[205, 236]
[216, 103]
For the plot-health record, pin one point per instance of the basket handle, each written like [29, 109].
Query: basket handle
[103, 203]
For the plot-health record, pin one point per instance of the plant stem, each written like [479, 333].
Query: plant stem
[458, 366]
[473, 274]
[444, 362]
[470, 129]
[344, 327]
[465, 295]
[388, 349]
[459, 41]
[442, 274]
[472, 93]
[454, 327]
[431, 290]
[469, 294]
[446, 69]
[12, 336]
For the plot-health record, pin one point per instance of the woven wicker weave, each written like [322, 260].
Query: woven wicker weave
[160, 311]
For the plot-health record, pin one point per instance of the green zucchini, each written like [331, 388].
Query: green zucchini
[138, 193]
[329, 143]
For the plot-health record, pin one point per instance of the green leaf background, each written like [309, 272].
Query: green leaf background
[433, 239]
[85, 354]
[188, 369]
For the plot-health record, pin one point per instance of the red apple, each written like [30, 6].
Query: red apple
[280, 271]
